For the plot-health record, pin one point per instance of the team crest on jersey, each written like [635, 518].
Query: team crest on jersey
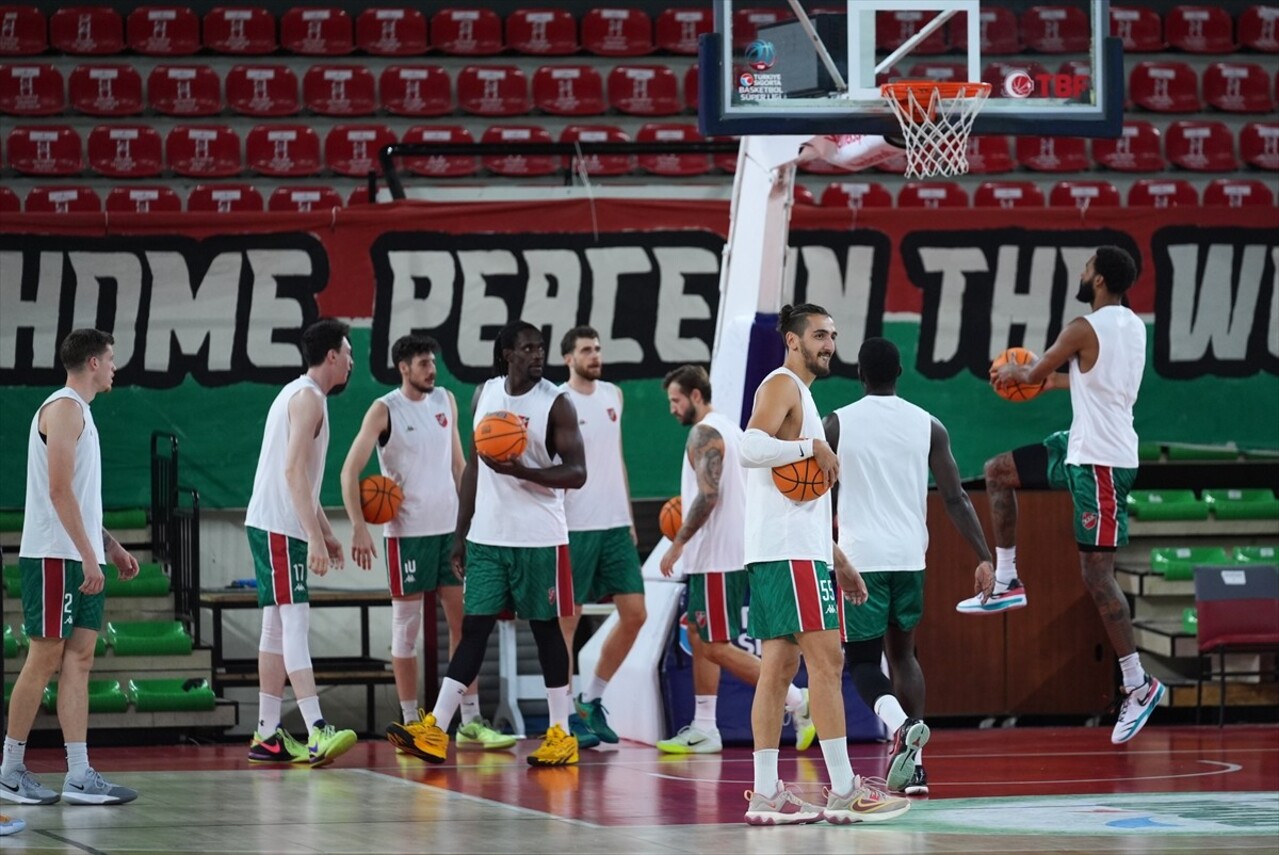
[1089, 519]
[525, 420]
[612, 414]
[442, 419]
[700, 617]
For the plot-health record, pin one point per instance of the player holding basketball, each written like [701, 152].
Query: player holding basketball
[290, 535]
[414, 429]
[1096, 461]
[881, 505]
[60, 557]
[511, 544]
[709, 542]
[789, 553]
[601, 532]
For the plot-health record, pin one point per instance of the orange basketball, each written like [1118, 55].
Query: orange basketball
[800, 482]
[380, 499]
[671, 518]
[501, 436]
[1017, 391]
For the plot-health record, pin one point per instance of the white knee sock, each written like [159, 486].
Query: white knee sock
[766, 779]
[446, 704]
[890, 712]
[77, 760]
[1005, 564]
[838, 765]
[268, 714]
[704, 718]
[595, 690]
[15, 753]
[470, 708]
[1134, 674]
[559, 703]
[310, 709]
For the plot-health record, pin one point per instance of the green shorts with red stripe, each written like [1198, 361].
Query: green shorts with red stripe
[279, 563]
[52, 605]
[715, 602]
[1099, 493]
[415, 565]
[790, 597]
[535, 581]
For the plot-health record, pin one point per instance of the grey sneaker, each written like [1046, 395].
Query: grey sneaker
[784, 808]
[22, 787]
[866, 803]
[94, 789]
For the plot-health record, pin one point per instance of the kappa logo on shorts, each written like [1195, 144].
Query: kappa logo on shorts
[442, 419]
[550, 595]
[1089, 519]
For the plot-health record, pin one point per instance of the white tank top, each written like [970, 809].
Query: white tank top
[778, 529]
[270, 507]
[717, 546]
[419, 457]
[42, 533]
[602, 502]
[1101, 430]
[510, 511]
[883, 483]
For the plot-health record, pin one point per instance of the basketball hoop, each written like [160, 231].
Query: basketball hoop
[936, 119]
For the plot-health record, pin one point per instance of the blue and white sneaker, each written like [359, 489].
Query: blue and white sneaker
[93, 789]
[1005, 598]
[10, 825]
[1136, 709]
[21, 787]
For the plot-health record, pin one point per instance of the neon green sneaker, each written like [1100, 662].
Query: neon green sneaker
[328, 743]
[477, 734]
[805, 731]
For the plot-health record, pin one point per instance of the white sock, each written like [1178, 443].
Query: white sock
[559, 703]
[890, 712]
[15, 753]
[77, 760]
[705, 719]
[1005, 564]
[470, 708]
[268, 714]
[766, 780]
[447, 702]
[595, 690]
[837, 765]
[1134, 674]
[408, 711]
[919, 757]
[310, 709]
[794, 698]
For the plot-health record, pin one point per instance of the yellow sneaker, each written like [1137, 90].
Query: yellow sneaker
[413, 727]
[558, 749]
[421, 739]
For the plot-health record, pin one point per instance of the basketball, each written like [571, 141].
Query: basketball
[1018, 391]
[671, 517]
[800, 482]
[501, 436]
[380, 499]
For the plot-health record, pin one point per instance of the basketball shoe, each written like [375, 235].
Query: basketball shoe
[93, 789]
[596, 718]
[586, 738]
[9, 825]
[22, 787]
[422, 739]
[280, 748]
[1005, 598]
[918, 785]
[558, 749]
[805, 731]
[866, 803]
[909, 739]
[477, 734]
[328, 743]
[690, 740]
[784, 808]
[1135, 711]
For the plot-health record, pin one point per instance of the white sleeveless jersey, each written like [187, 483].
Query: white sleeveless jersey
[270, 506]
[717, 547]
[778, 529]
[883, 483]
[602, 502]
[42, 533]
[419, 457]
[1101, 430]
[510, 511]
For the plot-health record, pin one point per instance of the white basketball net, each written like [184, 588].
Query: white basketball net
[936, 130]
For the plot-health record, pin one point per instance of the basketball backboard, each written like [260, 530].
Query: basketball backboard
[1053, 68]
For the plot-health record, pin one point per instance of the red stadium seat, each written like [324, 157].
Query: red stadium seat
[45, 150]
[415, 90]
[1162, 193]
[1140, 28]
[106, 90]
[285, 151]
[63, 199]
[680, 165]
[467, 32]
[303, 199]
[242, 31]
[353, 149]
[541, 32]
[126, 151]
[263, 90]
[644, 90]
[339, 90]
[1238, 87]
[9, 201]
[1165, 87]
[1137, 150]
[203, 151]
[493, 90]
[89, 30]
[1008, 194]
[1238, 193]
[317, 32]
[892, 29]
[1201, 146]
[163, 31]
[441, 166]
[518, 165]
[617, 32]
[569, 90]
[1200, 29]
[389, 31]
[997, 72]
[151, 199]
[801, 195]
[932, 194]
[679, 29]
[1052, 154]
[359, 196]
[989, 155]
[595, 164]
[22, 31]
[31, 89]
[225, 198]
[999, 31]
[691, 88]
[938, 71]
[184, 90]
[746, 24]
[1258, 28]
[1056, 29]
[1259, 145]
[856, 195]
[1083, 195]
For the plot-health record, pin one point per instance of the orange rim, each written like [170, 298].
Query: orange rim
[923, 90]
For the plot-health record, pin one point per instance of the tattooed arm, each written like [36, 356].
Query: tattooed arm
[705, 450]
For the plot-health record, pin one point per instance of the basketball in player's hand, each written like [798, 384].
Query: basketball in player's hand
[1016, 391]
[800, 482]
[501, 436]
[671, 517]
[380, 499]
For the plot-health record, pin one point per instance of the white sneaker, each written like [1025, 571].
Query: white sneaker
[93, 789]
[783, 808]
[801, 717]
[690, 740]
[1136, 709]
[1005, 598]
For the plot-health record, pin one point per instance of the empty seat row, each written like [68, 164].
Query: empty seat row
[159, 199]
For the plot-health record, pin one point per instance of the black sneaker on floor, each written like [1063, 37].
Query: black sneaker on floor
[907, 742]
[918, 785]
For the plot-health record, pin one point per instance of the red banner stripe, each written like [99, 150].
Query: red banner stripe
[54, 580]
[281, 572]
[563, 581]
[808, 600]
[716, 607]
[393, 565]
[1107, 508]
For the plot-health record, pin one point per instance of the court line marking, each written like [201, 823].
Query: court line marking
[83, 847]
